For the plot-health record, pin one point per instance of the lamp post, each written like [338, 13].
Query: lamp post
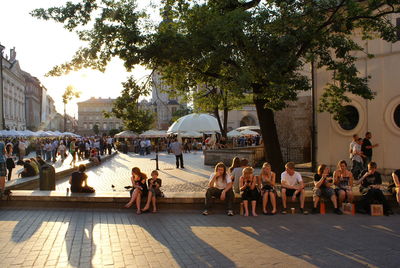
[1, 87]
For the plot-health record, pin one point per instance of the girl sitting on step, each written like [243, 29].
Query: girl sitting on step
[154, 184]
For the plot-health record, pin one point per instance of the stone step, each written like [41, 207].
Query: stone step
[176, 200]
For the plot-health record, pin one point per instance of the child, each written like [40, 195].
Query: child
[154, 184]
[249, 190]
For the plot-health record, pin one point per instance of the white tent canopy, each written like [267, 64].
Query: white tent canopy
[126, 134]
[203, 123]
[192, 134]
[153, 134]
[234, 133]
[248, 128]
[248, 132]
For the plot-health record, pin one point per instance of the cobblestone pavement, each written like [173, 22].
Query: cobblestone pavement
[119, 238]
[117, 171]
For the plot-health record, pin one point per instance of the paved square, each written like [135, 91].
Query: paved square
[119, 238]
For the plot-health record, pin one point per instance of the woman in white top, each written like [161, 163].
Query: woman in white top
[220, 186]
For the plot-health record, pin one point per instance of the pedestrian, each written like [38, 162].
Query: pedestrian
[366, 148]
[352, 143]
[3, 168]
[62, 151]
[220, 186]
[10, 164]
[176, 148]
[396, 184]
[358, 159]
[72, 150]
[22, 149]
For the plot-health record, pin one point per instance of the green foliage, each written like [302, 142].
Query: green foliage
[114, 131]
[70, 93]
[126, 107]
[96, 129]
[241, 47]
[182, 111]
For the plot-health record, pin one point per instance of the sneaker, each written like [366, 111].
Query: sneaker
[230, 213]
[305, 212]
[314, 211]
[284, 212]
[205, 212]
[338, 211]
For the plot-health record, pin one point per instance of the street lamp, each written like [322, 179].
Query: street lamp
[1, 86]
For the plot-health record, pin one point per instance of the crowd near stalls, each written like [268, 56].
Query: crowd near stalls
[27, 152]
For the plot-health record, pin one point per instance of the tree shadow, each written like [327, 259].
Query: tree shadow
[90, 237]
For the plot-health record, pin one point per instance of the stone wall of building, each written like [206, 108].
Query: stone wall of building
[91, 112]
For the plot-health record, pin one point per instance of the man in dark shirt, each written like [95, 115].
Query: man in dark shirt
[78, 181]
[366, 148]
[371, 182]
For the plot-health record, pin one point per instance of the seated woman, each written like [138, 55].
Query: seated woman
[371, 183]
[220, 186]
[154, 184]
[78, 181]
[29, 170]
[396, 181]
[94, 157]
[139, 188]
[344, 183]
[323, 188]
[248, 183]
[266, 181]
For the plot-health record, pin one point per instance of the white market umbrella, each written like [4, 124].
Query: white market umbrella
[30, 133]
[58, 133]
[233, 134]
[248, 128]
[192, 134]
[13, 133]
[126, 134]
[203, 123]
[153, 134]
[248, 132]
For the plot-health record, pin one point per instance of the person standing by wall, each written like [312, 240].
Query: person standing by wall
[3, 169]
[366, 148]
[176, 148]
[9, 160]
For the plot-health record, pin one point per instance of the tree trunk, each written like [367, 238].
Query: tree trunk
[226, 111]
[216, 113]
[272, 148]
[65, 117]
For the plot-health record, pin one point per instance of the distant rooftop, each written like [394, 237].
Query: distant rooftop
[98, 100]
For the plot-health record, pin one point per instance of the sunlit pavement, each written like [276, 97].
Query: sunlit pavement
[117, 171]
[120, 238]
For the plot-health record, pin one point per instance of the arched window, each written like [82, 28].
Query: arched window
[350, 119]
[396, 116]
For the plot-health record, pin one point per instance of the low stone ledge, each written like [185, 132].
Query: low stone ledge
[33, 182]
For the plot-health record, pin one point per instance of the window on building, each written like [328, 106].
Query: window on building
[350, 119]
[104, 126]
[173, 110]
[90, 126]
[397, 116]
[116, 125]
[398, 28]
[85, 126]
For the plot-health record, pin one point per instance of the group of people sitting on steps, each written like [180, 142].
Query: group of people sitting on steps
[240, 178]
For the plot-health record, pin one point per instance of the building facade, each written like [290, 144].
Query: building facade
[91, 113]
[164, 105]
[13, 92]
[381, 116]
[33, 102]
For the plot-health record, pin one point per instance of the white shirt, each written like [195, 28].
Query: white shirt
[219, 183]
[293, 180]
[351, 148]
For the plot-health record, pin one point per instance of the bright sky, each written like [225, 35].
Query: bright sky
[40, 45]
